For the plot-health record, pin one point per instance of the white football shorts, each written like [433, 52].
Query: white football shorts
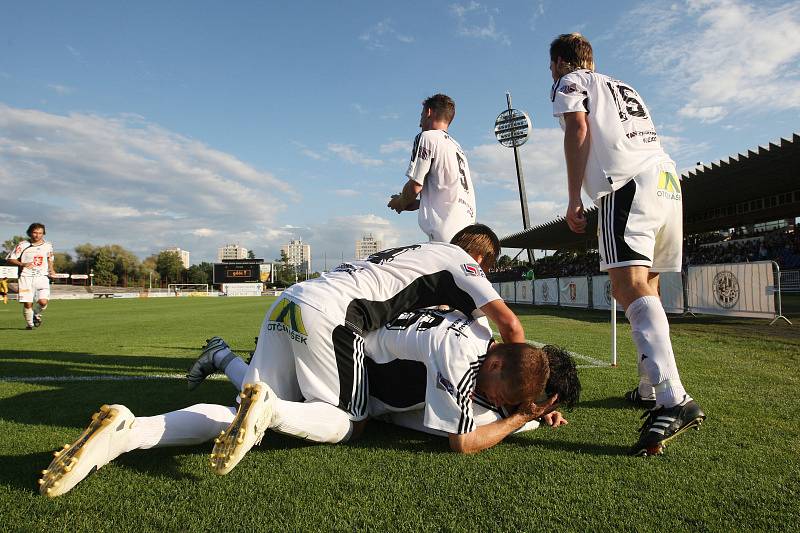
[642, 222]
[34, 288]
[304, 354]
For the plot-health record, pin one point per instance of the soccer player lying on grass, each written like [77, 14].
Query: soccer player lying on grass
[506, 373]
[314, 333]
[430, 370]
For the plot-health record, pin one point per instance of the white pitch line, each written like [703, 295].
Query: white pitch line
[595, 363]
[118, 377]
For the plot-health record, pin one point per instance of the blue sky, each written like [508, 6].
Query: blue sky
[194, 124]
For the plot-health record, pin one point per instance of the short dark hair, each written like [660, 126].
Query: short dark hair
[442, 107]
[563, 379]
[35, 225]
[525, 368]
[479, 239]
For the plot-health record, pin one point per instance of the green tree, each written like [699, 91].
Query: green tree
[84, 258]
[200, 273]
[62, 262]
[10, 244]
[169, 267]
[104, 268]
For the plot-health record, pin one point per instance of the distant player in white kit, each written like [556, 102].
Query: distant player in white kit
[35, 259]
[613, 152]
[439, 175]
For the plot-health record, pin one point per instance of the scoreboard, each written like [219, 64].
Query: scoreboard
[237, 272]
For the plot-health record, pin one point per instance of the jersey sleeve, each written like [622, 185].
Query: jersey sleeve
[570, 95]
[471, 279]
[16, 253]
[451, 382]
[421, 159]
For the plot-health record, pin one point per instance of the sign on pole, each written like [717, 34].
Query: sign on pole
[512, 128]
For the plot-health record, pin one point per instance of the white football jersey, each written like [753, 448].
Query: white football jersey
[39, 255]
[447, 200]
[364, 295]
[623, 140]
[428, 359]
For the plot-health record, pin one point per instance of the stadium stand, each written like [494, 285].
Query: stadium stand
[730, 213]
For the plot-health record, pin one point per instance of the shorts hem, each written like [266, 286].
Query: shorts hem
[620, 264]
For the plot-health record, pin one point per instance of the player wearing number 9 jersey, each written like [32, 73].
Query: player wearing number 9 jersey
[613, 152]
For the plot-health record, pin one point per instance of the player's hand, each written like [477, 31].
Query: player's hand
[395, 204]
[554, 419]
[532, 410]
[576, 219]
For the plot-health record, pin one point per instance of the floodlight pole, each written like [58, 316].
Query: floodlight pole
[523, 197]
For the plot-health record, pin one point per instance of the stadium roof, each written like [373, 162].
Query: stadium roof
[759, 186]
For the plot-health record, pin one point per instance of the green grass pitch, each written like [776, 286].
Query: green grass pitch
[741, 471]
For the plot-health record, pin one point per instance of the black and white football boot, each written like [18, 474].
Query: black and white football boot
[37, 320]
[634, 397]
[204, 366]
[663, 424]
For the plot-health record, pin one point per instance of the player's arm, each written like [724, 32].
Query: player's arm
[576, 151]
[17, 262]
[507, 323]
[51, 263]
[407, 199]
[487, 436]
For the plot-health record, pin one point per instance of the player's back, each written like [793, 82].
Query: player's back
[369, 293]
[623, 138]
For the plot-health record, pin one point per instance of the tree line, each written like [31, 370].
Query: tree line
[113, 265]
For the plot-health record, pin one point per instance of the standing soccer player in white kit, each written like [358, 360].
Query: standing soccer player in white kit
[35, 258]
[438, 174]
[613, 152]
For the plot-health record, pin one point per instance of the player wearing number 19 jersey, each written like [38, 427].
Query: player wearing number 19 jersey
[613, 152]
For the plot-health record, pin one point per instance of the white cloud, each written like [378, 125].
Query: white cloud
[61, 89]
[346, 193]
[308, 152]
[124, 180]
[477, 21]
[719, 57]
[395, 146]
[349, 153]
[376, 36]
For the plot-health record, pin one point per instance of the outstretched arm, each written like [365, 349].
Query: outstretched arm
[507, 322]
[487, 436]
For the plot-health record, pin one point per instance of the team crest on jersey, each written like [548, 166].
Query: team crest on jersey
[287, 316]
[568, 89]
[473, 269]
[444, 384]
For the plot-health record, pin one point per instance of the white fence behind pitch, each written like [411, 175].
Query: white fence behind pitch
[524, 291]
[507, 291]
[574, 291]
[670, 285]
[545, 291]
[732, 289]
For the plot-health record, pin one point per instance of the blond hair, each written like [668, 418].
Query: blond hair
[575, 52]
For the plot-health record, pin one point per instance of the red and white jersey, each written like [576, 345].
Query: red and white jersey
[364, 295]
[623, 140]
[447, 200]
[40, 255]
[428, 359]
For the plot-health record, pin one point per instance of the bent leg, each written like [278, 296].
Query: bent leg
[192, 425]
[314, 421]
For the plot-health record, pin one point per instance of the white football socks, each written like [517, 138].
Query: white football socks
[235, 370]
[28, 314]
[650, 329]
[192, 425]
[314, 421]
